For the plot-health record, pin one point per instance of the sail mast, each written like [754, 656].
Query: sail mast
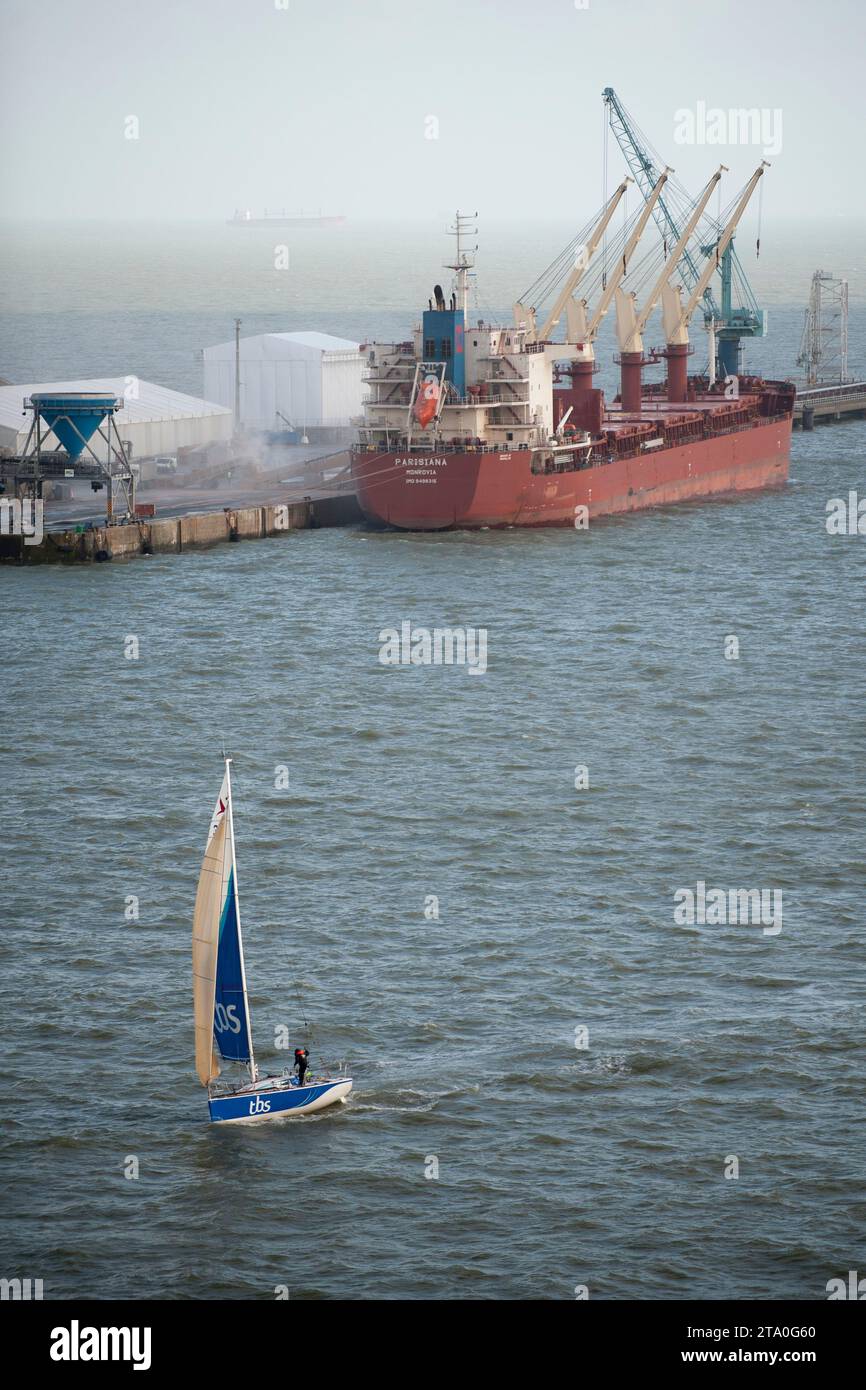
[238, 916]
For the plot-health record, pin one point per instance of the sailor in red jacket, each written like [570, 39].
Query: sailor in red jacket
[302, 1057]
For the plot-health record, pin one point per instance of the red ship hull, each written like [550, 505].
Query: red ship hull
[469, 490]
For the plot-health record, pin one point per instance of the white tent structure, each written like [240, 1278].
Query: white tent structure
[307, 379]
[154, 419]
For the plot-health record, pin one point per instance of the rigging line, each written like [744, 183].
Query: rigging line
[604, 202]
[557, 270]
[760, 215]
[301, 1006]
[552, 269]
[647, 259]
[295, 983]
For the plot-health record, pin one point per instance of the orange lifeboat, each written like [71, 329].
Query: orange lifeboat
[427, 401]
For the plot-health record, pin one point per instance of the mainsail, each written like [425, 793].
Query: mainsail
[222, 1020]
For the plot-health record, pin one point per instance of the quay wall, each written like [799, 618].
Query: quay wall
[158, 535]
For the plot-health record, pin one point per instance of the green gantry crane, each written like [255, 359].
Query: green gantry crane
[732, 323]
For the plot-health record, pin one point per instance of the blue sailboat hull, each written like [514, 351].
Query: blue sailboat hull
[267, 1102]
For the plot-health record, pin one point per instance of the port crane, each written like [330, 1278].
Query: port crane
[730, 323]
[581, 327]
[631, 322]
[583, 330]
[525, 314]
[676, 315]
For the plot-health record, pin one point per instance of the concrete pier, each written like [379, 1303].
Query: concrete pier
[825, 404]
[158, 535]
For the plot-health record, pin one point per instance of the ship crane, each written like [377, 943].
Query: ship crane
[581, 331]
[630, 323]
[676, 315]
[525, 315]
[733, 323]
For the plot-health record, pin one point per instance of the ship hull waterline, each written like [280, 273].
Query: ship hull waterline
[496, 489]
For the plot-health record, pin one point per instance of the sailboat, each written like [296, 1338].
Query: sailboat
[223, 1029]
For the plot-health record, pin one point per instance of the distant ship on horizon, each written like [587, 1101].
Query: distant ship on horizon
[244, 218]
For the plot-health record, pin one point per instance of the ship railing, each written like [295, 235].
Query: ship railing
[463, 402]
[395, 380]
[394, 370]
[382, 368]
[452, 399]
[853, 391]
[402, 445]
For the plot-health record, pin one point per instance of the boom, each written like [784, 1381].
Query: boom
[631, 324]
[628, 250]
[573, 279]
[645, 175]
[675, 314]
[733, 322]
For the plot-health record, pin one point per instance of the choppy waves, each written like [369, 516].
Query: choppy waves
[556, 1164]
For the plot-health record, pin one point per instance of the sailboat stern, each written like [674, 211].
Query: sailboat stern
[268, 1101]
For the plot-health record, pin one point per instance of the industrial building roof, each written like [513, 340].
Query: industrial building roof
[319, 342]
[153, 419]
[145, 403]
[326, 342]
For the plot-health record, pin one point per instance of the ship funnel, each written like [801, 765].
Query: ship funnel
[73, 416]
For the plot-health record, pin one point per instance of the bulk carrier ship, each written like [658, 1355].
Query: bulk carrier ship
[473, 425]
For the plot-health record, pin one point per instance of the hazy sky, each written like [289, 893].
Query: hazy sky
[329, 103]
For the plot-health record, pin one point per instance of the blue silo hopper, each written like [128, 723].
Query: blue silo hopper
[73, 416]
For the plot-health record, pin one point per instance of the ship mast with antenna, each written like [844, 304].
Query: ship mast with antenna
[463, 264]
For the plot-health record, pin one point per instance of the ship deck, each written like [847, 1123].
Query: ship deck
[653, 411]
[659, 423]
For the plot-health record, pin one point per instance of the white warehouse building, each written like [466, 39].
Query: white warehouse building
[299, 379]
[154, 419]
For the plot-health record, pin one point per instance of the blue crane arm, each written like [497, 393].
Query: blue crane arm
[646, 176]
